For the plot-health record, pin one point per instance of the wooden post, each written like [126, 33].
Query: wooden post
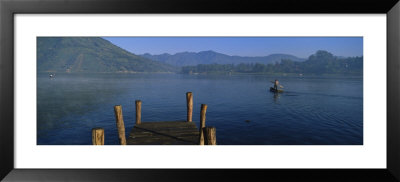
[120, 124]
[210, 136]
[138, 111]
[98, 136]
[202, 122]
[189, 101]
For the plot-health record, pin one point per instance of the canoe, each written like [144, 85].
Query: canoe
[275, 90]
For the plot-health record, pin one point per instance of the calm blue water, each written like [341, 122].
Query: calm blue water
[319, 110]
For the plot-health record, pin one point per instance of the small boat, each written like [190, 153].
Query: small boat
[275, 90]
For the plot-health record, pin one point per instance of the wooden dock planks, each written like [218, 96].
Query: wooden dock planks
[164, 133]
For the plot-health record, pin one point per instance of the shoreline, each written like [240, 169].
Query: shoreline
[219, 74]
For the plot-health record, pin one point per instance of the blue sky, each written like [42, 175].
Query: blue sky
[242, 46]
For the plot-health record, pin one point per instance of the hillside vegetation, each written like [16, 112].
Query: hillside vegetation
[211, 57]
[91, 54]
[322, 62]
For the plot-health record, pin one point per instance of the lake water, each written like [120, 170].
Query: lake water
[311, 111]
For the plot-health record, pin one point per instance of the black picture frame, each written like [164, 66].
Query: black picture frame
[8, 8]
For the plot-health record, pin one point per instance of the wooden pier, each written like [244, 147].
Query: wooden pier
[182, 132]
[164, 133]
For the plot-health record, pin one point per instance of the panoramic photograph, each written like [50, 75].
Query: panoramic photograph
[199, 91]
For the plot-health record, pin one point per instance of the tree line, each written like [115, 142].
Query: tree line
[322, 62]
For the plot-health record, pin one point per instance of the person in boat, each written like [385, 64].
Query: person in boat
[276, 83]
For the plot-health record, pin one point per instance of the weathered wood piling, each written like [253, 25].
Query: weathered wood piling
[138, 104]
[210, 135]
[189, 103]
[98, 136]
[161, 133]
[120, 124]
[202, 123]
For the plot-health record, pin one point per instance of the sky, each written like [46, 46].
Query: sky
[301, 47]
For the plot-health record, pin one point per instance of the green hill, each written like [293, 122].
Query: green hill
[212, 57]
[90, 55]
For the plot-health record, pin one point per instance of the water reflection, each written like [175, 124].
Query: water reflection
[276, 97]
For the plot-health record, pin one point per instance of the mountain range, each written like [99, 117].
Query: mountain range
[91, 54]
[212, 57]
[97, 55]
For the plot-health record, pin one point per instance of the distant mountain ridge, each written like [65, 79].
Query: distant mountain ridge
[91, 54]
[322, 62]
[212, 57]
